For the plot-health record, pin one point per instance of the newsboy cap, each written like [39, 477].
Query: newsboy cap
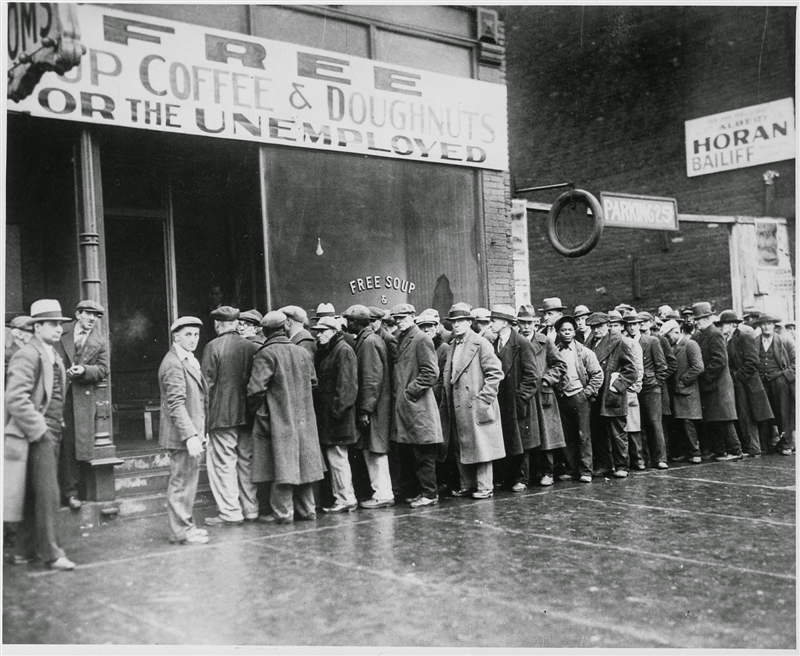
[90, 306]
[553, 303]
[224, 313]
[402, 309]
[668, 326]
[357, 312]
[327, 323]
[273, 320]
[597, 318]
[581, 311]
[700, 310]
[502, 311]
[251, 316]
[375, 313]
[427, 318]
[185, 322]
[728, 316]
[461, 311]
[21, 323]
[295, 313]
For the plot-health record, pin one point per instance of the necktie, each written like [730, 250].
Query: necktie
[80, 340]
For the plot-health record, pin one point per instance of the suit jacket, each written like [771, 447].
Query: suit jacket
[81, 401]
[615, 356]
[227, 362]
[655, 364]
[184, 402]
[686, 392]
[589, 371]
[515, 396]
[666, 384]
[374, 391]
[716, 384]
[783, 347]
[748, 389]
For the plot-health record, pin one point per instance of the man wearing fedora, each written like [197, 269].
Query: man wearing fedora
[776, 367]
[296, 318]
[583, 332]
[183, 427]
[249, 326]
[752, 403]
[716, 386]
[21, 333]
[417, 426]
[34, 403]
[226, 366]
[527, 321]
[470, 411]
[84, 349]
[515, 395]
[552, 310]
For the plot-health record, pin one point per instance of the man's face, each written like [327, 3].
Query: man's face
[375, 324]
[645, 326]
[727, 328]
[405, 321]
[352, 327]
[674, 335]
[567, 332]
[525, 328]
[429, 329]
[767, 328]
[21, 335]
[325, 336]
[615, 327]
[581, 321]
[86, 320]
[480, 326]
[601, 329]
[247, 329]
[791, 330]
[551, 316]
[48, 332]
[633, 329]
[498, 325]
[187, 338]
[461, 326]
[536, 322]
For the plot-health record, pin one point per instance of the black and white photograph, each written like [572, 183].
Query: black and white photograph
[391, 328]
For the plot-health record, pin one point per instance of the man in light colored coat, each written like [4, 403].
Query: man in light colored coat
[182, 427]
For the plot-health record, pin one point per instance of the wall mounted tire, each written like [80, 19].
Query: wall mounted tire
[592, 240]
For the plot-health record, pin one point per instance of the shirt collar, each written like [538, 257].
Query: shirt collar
[51, 352]
[183, 354]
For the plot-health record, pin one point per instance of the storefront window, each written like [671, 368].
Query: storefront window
[421, 53]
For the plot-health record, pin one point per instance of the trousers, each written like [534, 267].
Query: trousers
[575, 419]
[184, 473]
[650, 408]
[609, 442]
[418, 470]
[724, 438]
[379, 478]
[341, 476]
[285, 499]
[248, 498]
[221, 461]
[475, 476]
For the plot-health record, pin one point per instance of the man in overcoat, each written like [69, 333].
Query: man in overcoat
[296, 318]
[286, 449]
[580, 315]
[34, 402]
[517, 407]
[578, 386]
[651, 326]
[686, 405]
[610, 408]
[526, 321]
[416, 425]
[776, 367]
[472, 373]
[21, 332]
[250, 326]
[183, 427]
[752, 404]
[84, 349]
[373, 405]
[227, 362]
[716, 386]
[552, 310]
[376, 322]
[337, 373]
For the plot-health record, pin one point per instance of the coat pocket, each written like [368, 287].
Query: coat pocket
[547, 399]
[613, 400]
[484, 414]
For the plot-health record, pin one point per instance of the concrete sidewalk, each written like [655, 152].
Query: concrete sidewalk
[696, 556]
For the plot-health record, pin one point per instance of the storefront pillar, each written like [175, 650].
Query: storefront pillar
[99, 475]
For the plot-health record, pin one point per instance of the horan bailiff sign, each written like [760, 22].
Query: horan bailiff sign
[633, 211]
[744, 137]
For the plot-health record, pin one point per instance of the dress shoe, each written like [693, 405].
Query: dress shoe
[482, 494]
[272, 518]
[696, 460]
[600, 473]
[62, 564]
[786, 452]
[250, 518]
[193, 538]
[16, 559]
[340, 508]
[424, 501]
[585, 478]
[620, 473]
[74, 503]
[728, 457]
[410, 500]
[565, 477]
[310, 517]
[220, 521]
[519, 487]
[755, 455]
[680, 458]
[662, 465]
[463, 492]
[372, 504]
[640, 466]
[546, 480]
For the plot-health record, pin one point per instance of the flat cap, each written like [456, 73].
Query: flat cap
[185, 322]
[434, 312]
[327, 323]
[581, 311]
[566, 319]
[502, 311]
[668, 326]
[274, 319]
[224, 313]
[624, 307]
[674, 315]
[90, 306]
[790, 324]
[296, 313]
[357, 312]
[402, 309]
[375, 312]
[664, 310]
[427, 318]
[481, 314]
[251, 316]
[325, 310]
[751, 311]
[21, 323]
[597, 318]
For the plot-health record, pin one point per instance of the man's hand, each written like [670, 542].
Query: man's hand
[363, 419]
[76, 370]
[194, 446]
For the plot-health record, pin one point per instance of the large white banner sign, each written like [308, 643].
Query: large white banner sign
[750, 136]
[156, 74]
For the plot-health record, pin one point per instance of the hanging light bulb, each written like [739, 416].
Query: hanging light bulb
[319, 246]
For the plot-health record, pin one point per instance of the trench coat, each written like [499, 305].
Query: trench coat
[184, 402]
[516, 395]
[227, 361]
[716, 385]
[469, 398]
[615, 356]
[415, 417]
[747, 386]
[686, 392]
[81, 395]
[666, 384]
[337, 373]
[374, 391]
[285, 439]
[549, 367]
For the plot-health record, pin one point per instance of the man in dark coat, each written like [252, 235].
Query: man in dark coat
[373, 405]
[416, 426]
[21, 332]
[227, 362]
[583, 332]
[376, 322]
[286, 450]
[776, 367]
[84, 350]
[752, 404]
[296, 318]
[716, 386]
[526, 321]
[337, 373]
[250, 326]
[610, 408]
[515, 396]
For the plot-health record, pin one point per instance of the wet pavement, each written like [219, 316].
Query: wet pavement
[699, 556]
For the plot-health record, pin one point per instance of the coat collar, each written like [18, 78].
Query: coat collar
[470, 347]
[406, 338]
[194, 373]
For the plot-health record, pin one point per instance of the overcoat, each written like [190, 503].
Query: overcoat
[306, 340]
[469, 396]
[654, 362]
[666, 384]
[337, 373]
[686, 392]
[615, 356]
[633, 420]
[81, 395]
[184, 402]
[416, 417]
[391, 346]
[374, 391]
[747, 386]
[716, 385]
[549, 367]
[516, 395]
[227, 362]
[285, 440]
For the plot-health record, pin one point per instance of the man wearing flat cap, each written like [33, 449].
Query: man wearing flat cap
[286, 449]
[21, 333]
[776, 367]
[481, 323]
[377, 318]
[296, 319]
[84, 350]
[34, 402]
[183, 427]
[417, 426]
[249, 326]
[227, 362]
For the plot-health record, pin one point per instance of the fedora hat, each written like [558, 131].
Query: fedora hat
[526, 313]
[631, 317]
[459, 311]
[700, 310]
[325, 310]
[767, 318]
[501, 311]
[728, 316]
[21, 323]
[427, 318]
[597, 318]
[614, 316]
[581, 311]
[553, 303]
[46, 309]
[480, 314]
